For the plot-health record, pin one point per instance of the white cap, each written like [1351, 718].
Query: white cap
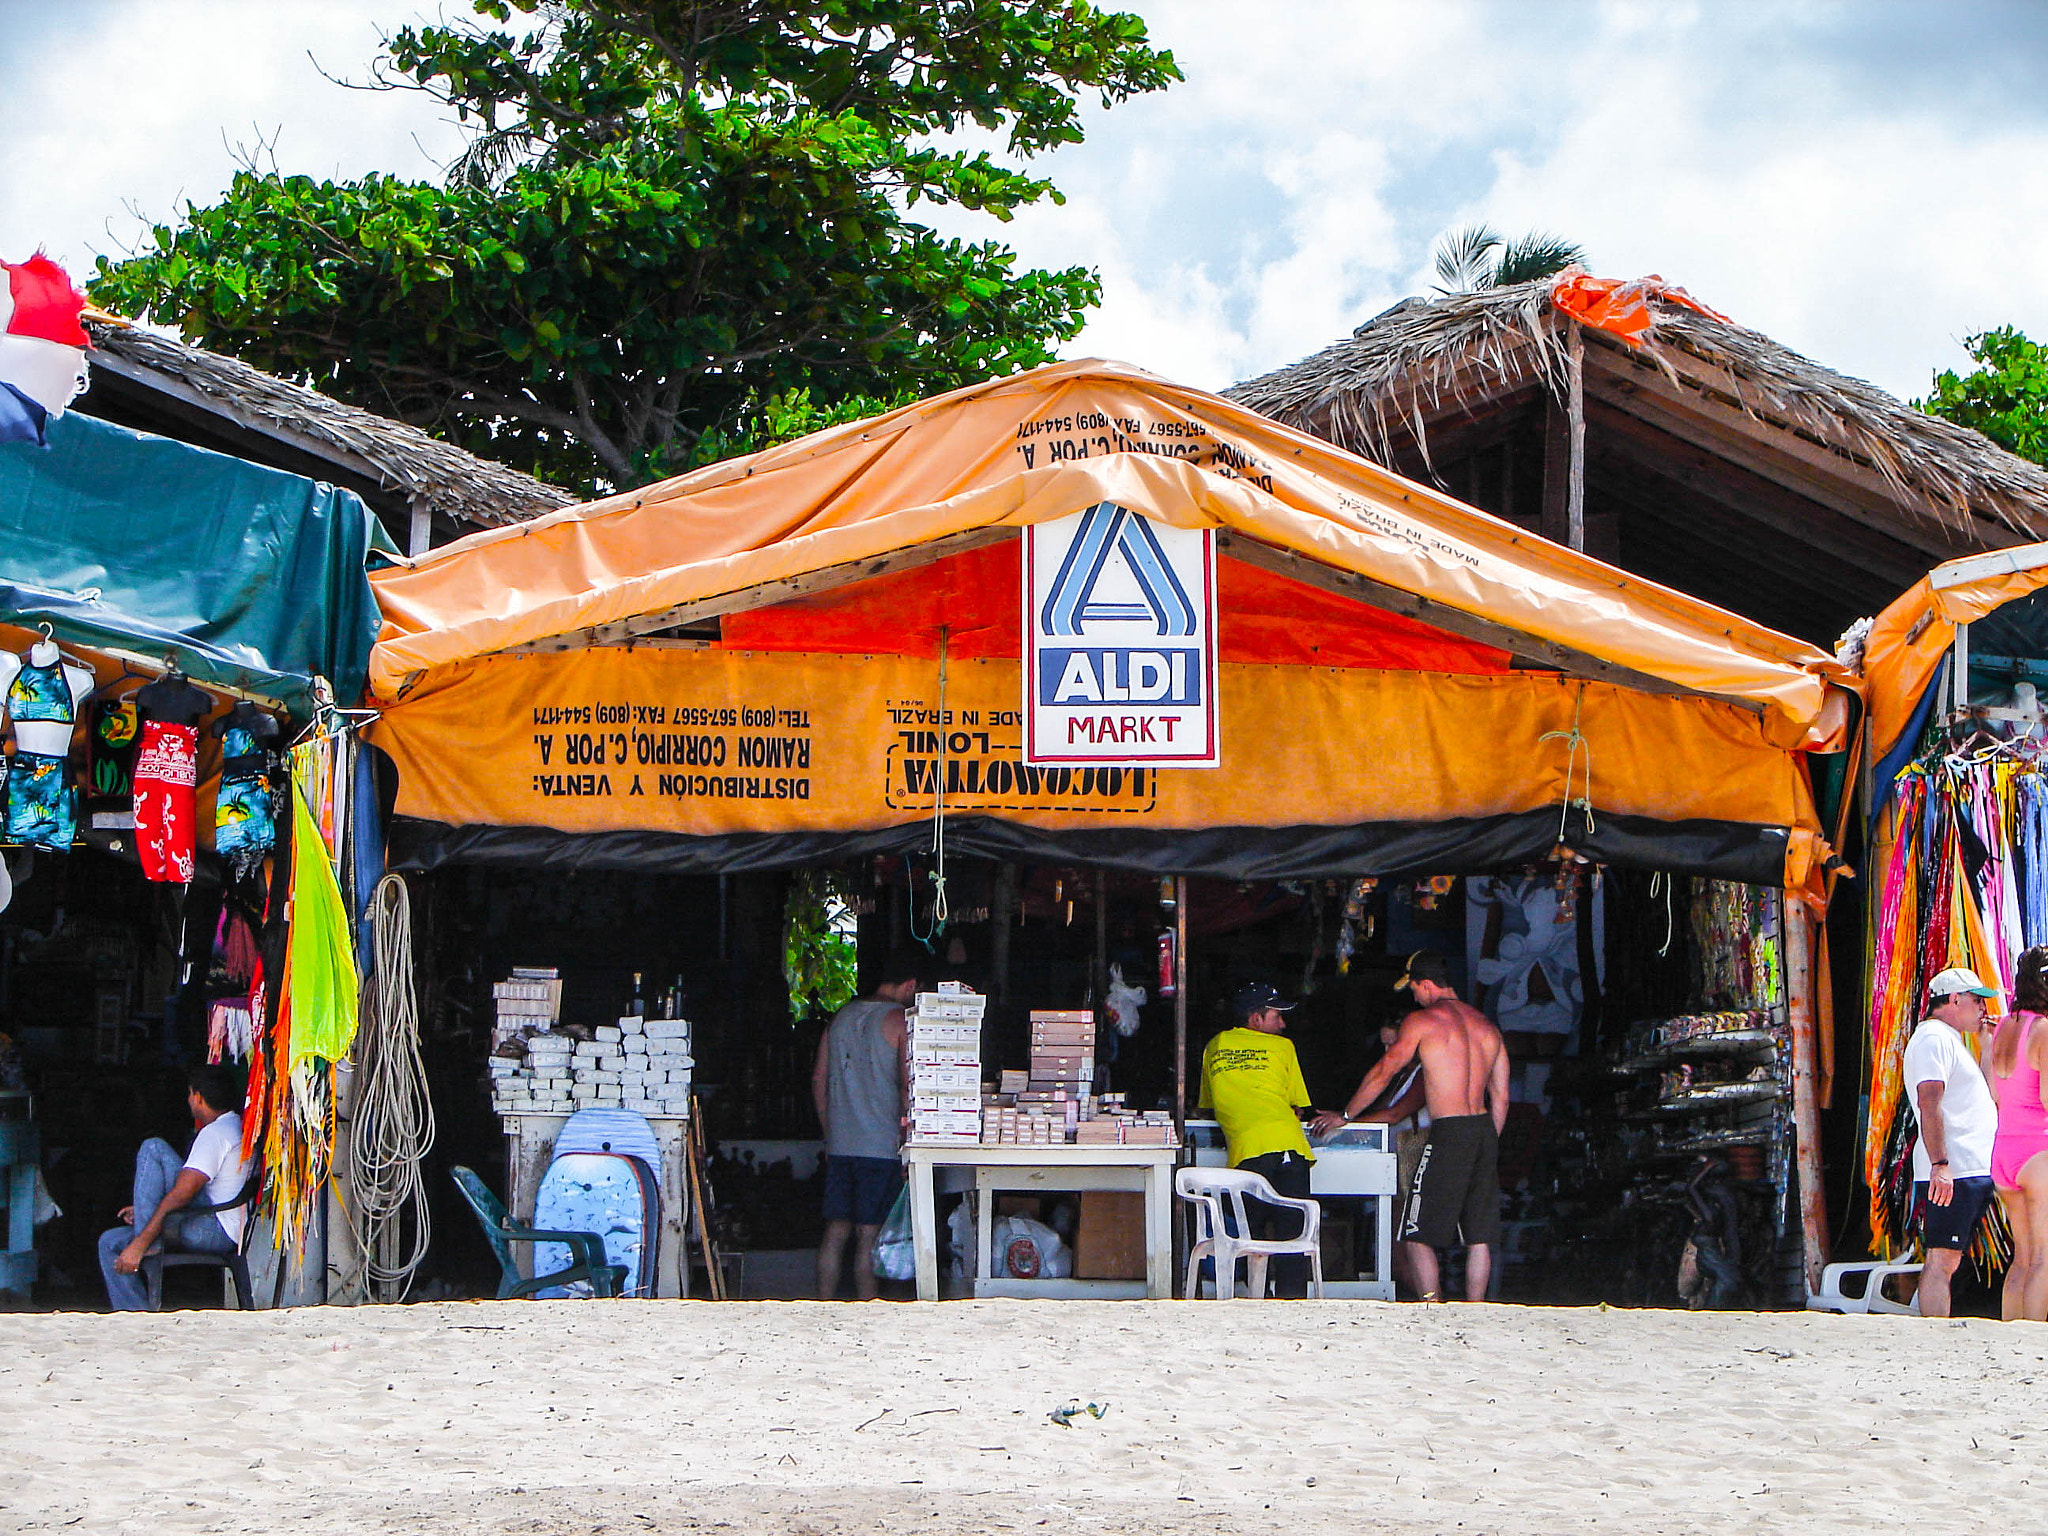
[1960, 978]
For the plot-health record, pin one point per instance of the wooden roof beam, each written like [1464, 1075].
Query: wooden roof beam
[1624, 446]
[1778, 453]
[1757, 553]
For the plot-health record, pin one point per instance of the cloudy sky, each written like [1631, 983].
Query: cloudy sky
[1865, 181]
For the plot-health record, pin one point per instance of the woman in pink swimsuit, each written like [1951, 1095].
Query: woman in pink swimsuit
[2019, 1155]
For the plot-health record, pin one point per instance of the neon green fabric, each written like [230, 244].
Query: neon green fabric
[320, 966]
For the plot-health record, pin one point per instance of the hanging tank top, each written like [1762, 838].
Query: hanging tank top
[862, 1084]
[42, 707]
[40, 693]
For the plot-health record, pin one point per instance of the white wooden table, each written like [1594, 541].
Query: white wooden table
[990, 1170]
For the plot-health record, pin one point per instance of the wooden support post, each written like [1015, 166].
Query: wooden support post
[1101, 978]
[1563, 515]
[1575, 415]
[419, 534]
[1799, 976]
[1180, 1005]
[1002, 915]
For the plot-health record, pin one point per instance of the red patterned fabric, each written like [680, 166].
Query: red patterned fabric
[166, 800]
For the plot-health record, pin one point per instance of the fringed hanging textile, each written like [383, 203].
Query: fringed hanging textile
[1894, 986]
[303, 998]
[1966, 884]
[317, 1008]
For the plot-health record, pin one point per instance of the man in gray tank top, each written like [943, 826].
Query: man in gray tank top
[859, 1086]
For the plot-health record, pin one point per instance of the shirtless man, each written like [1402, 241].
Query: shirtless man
[1455, 1194]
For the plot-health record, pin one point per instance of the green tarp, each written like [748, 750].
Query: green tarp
[244, 575]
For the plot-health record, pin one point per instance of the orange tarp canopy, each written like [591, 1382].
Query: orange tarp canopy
[1043, 445]
[1908, 640]
[710, 742]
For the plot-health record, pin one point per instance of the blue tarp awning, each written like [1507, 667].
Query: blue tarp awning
[245, 576]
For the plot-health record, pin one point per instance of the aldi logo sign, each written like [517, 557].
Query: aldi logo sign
[1119, 642]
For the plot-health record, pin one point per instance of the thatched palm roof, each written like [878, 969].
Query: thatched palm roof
[154, 382]
[1381, 390]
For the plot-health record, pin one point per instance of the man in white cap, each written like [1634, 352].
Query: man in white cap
[1958, 1119]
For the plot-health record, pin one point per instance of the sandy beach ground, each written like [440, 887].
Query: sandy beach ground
[803, 1419]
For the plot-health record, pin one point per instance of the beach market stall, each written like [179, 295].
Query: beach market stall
[1959, 817]
[174, 628]
[818, 653]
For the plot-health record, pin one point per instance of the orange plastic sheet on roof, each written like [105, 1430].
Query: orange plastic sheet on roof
[1617, 307]
[1908, 640]
[976, 597]
[1035, 447]
[709, 742]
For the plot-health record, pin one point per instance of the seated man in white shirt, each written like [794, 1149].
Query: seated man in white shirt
[165, 1183]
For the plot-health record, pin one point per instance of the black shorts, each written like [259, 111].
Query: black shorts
[1455, 1194]
[1954, 1224]
[861, 1189]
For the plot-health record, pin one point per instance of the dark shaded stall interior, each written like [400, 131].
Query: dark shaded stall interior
[1595, 1163]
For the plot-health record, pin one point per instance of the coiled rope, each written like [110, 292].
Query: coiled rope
[393, 1118]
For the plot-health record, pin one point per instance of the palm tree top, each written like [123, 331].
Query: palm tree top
[1473, 257]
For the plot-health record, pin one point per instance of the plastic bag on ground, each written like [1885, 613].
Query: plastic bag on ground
[895, 1253]
[1024, 1249]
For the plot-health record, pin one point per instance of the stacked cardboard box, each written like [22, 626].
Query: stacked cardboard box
[1025, 1127]
[1062, 1051]
[945, 1066]
[1078, 1122]
[650, 1059]
[539, 1083]
[531, 997]
[639, 1064]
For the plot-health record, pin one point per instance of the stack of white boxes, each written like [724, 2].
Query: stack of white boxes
[541, 1083]
[531, 998]
[945, 1066]
[656, 1077]
[639, 1064]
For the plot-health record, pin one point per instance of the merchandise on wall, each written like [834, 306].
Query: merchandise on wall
[1964, 883]
[1667, 1174]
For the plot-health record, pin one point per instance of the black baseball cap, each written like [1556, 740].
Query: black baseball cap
[1256, 997]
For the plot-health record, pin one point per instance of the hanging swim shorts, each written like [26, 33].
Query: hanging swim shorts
[41, 810]
[244, 814]
[166, 816]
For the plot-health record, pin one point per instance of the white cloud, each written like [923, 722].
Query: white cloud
[111, 104]
[1807, 169]
[1861, 182]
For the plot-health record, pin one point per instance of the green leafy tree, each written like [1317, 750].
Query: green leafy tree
[677, 230]
[819, 954]
[2005, 397]
[1476, 256]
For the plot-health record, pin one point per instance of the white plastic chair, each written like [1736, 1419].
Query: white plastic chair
[1206, 1189]
[1871, 1298]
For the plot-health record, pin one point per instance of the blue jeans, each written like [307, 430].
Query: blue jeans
[157, 1165]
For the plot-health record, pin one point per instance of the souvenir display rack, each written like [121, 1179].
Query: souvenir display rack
[1634, 1122]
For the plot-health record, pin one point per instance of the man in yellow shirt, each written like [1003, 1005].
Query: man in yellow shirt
[1252, 1079]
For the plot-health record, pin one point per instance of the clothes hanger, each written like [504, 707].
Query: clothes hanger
[128, 675]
